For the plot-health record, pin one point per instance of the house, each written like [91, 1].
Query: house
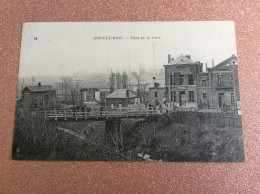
[39, 96]
[157, 94]
[187, 86]
[182, 81]
[122, 97]
[224, 86]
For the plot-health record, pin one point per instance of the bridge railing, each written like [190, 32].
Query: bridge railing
[122, 113]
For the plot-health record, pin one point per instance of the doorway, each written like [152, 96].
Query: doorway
[182, 98]
[220, 99]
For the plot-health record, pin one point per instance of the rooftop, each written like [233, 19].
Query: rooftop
[181, 60]
[42, 88]
[121, 93]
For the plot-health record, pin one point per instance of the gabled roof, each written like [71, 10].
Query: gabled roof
[224, 65]
[42, 88]
[121, 93]
[181, 60]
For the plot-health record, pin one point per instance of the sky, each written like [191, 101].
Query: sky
[75, 48]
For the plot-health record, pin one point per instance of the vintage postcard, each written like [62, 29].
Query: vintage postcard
[128, 91]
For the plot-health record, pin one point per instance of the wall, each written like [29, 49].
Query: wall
[160, 96]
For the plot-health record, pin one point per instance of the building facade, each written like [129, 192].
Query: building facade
[187, 86]
[41, 96]
[157, 95]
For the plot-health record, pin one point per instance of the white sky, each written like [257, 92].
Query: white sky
[69, 48]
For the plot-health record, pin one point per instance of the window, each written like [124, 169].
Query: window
[231, 79]
[232, 98]
[204, 83]
[191, 96]
[204, 95]
[47, 97]
[155, 94]
[181, 79]
[35, 98]
[171, 96]
[220, 80]
[191, 80]
[171, 79]
[41, 97]
[174, 96]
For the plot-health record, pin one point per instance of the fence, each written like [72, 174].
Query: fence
[211, 119]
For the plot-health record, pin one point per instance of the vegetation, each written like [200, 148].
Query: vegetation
[162, 137]
[36, 138]
[188, 140]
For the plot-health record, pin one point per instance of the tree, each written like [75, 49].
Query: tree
[112, 81]
[124, 79]
[118, 81]
[69, 93]
[142, 85]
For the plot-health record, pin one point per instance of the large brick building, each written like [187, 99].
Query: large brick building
[41, 96]
[187, 86]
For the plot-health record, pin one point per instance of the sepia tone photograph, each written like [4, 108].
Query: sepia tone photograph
[128, 91]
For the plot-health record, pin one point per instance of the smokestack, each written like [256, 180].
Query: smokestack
[206, 70]
[169, 58]
[212, 62]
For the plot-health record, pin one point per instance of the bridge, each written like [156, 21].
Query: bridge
[111, 116]
[72, 115]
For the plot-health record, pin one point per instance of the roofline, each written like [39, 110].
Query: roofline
[222, 62]
[182, 64]
[122, 97]
[158, 87]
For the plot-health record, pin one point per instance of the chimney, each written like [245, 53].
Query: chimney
[188, 56]
[169, 58]
[39, 84]
[127, 93]
[212, 62]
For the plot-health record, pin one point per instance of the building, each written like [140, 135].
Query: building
[122, 97]
[157, 95]
[41, 96]
[182, 81]
[187, 86]
[93, 95]
[223, 86]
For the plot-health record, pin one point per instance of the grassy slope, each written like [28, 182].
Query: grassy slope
[37, 139]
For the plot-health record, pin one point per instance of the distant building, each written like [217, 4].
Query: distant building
[41, 96]
[187, 86]
[157, 94]
[122, 97]
[93, 95]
